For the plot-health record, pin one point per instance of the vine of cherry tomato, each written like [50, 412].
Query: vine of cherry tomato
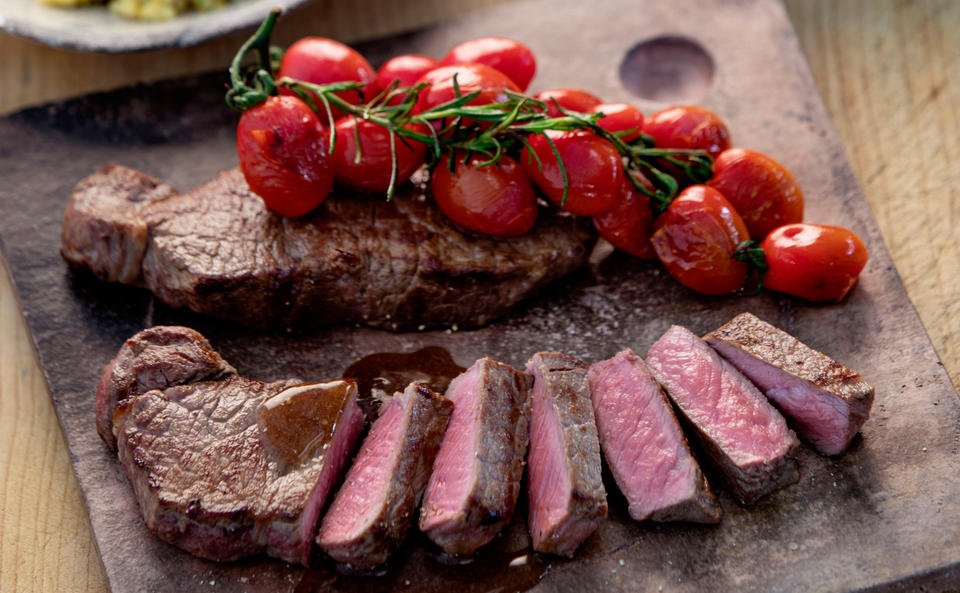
[702, 237]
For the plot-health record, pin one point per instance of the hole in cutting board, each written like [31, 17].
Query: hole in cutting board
[667, 69]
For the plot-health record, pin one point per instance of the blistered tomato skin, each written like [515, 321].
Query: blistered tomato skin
[405, 69]
[508, 56]
[495, 200]
[762, 190]
[629, 224]
[322, 61]
[571, 99]
[685, 126]
[696, 238]
[593, 166]
[283, 155]
[470, 77]
[620, 117]
[816, 262]
[372, 173]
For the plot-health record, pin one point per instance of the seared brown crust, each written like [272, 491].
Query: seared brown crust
[102, 228]
[155, 358]
[778, 348]
[395, 265]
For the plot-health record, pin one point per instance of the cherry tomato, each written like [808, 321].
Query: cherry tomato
[688, 127]
[696, 239]
[406, 69]
[593, 165]
[283, 155]
[372, 173]
[813, 261]
[500, 53]
[572, 99]
[495, 199]
[762, 190]
[470, 77]
[629, 224]
[620, 117]
[322, 61]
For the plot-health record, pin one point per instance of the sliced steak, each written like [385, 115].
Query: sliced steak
[644, 445]
[565, 489]
[155, 358]
[233, 467]
[739, 430]
[395, 265]
[826, 402]
[475, 481]
[374, 508]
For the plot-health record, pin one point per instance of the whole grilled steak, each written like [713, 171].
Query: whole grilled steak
[742, 433]
[473, 489]
[644, 446]
[374, 508]
[565, 490]
[232, 467]
[826, 402]
[396, 265]
[155, 358]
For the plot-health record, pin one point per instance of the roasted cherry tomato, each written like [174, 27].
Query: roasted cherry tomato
[470, 77]
[494, 199]
[283, 155]
[762, 190]
[813, 261]
[500, 53]
[406, 69]
[696, 239]
[688, 127]
[620, 117]
[372, 172]
[629, 224]
[322, 61]
[593, 165]
[572, 99]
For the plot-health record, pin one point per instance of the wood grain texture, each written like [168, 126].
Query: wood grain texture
[888, 72]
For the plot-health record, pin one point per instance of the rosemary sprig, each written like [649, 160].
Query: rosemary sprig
[492, 130]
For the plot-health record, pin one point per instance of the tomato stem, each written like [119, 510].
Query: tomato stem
[752, 254]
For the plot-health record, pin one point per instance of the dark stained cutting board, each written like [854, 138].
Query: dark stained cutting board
[882, 516]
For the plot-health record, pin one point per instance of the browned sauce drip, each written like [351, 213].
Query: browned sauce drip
[298, 423]
[384, 373]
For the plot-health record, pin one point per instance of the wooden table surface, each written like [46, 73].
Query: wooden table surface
[889, 73]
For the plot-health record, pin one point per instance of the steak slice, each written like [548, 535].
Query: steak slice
[826, 402]
[644, 445]
[395, 265]
[232, 467]
[155, 358]
[373, 510]
[739, 430]
[473, 489]
[565, 488]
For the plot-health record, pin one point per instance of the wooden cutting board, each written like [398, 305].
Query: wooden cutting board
[879, 514]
